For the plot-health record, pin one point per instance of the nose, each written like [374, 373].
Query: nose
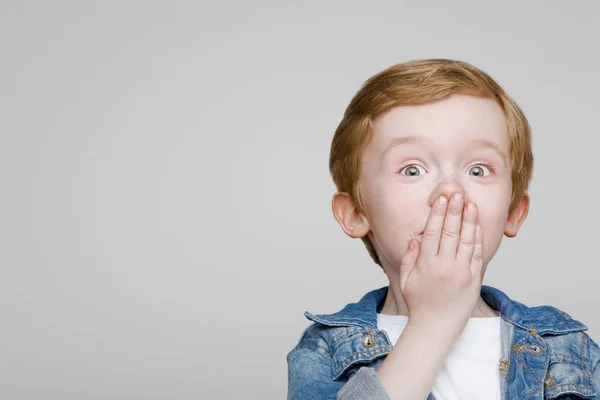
[446, 188]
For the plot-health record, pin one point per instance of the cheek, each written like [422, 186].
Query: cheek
[492, 217]
[493, 220]
[390, 215]
[492, 207]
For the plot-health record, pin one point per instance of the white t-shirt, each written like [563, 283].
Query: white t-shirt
[471, 371]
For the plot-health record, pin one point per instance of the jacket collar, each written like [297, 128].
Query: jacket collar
[542, 319]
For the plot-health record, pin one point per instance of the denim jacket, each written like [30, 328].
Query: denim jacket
[545, 353]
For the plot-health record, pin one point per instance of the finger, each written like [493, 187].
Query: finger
[466, 246]
[430, 243]
[408, 262]
[451, 229]
[477, 259]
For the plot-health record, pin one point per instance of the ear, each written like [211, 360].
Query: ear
[353, 223]
[517, 217]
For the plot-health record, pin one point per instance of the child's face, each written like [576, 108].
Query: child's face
[417, 153]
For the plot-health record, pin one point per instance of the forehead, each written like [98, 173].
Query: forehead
[448, 123]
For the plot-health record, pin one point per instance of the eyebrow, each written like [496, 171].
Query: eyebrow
[412, 139]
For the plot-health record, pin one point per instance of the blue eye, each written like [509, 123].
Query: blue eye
[479, 170]
[412, 170]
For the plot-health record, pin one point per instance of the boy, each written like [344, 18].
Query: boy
[432, 161]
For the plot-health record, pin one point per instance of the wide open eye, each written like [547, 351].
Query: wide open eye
[412, 170]
[479, 170]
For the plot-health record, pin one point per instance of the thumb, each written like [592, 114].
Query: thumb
[408, 262]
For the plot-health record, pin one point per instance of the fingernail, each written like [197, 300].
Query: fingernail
[443, 200]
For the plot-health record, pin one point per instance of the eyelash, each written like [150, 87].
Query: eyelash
[492, 169]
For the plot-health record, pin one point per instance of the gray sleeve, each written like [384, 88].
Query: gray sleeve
[363, 385]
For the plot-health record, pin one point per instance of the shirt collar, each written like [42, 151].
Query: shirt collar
[542, 319]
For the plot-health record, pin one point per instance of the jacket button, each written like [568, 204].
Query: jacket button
[368, 341]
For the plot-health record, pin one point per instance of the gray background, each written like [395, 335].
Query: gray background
[165, 213]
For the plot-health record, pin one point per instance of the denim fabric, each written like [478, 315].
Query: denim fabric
[546, 354]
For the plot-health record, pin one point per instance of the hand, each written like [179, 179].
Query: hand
[440, 278]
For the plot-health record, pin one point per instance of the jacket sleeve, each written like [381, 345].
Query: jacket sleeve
[309, 377]
[595, 358]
